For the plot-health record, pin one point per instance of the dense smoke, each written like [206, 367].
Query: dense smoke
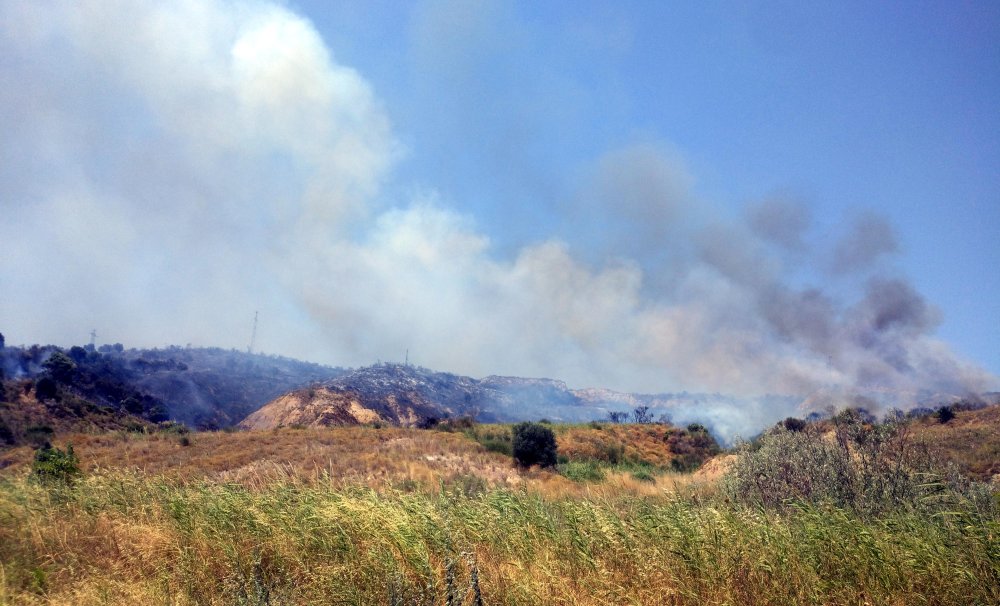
[162, 180]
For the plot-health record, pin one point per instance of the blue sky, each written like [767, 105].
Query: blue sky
[846, 106]
[726, 196]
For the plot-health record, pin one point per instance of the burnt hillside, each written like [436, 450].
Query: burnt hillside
[201, 387]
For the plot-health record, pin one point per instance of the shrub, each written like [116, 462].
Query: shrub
[456, 425]
[533, 444]
[611, 452]
[793, 424]
[46, 389]
[865, 467]
[945, 414]
[54, 466]
[691, 447]
[428, 422]
[60, 367]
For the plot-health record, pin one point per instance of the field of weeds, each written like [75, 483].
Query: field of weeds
[389, 516]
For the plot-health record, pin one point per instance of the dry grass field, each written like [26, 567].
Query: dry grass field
[971, 440]
[402, 516]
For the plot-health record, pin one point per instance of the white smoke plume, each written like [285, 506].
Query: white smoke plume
[166, 169]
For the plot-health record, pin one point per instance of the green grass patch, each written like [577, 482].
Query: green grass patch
[582, 471]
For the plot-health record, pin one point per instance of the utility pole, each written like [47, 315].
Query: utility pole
[253, 334]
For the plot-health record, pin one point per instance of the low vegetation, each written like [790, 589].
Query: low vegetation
[406, 516]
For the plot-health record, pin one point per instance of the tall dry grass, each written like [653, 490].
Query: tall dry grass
[367, 516]
[128, 538]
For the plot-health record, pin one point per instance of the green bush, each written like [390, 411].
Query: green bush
[533, 444]
[55, 466]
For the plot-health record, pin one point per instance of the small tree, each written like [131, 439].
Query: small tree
[642, 415]
[77, 354]
[60, 366]
[617, 416]
[533, 444]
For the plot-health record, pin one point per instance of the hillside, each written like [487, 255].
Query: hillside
[971, 440]
[201, 387]
[210, 388]
[406, 395]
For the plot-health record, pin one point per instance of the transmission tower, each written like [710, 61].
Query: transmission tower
[253, 334]
[93, 337]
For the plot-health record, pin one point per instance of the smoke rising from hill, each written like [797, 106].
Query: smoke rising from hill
[163, 180]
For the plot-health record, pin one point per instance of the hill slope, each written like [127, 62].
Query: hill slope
[202, 387]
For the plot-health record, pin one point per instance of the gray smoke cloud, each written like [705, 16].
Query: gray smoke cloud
[780, 220]
[168, 169]
[869, 238]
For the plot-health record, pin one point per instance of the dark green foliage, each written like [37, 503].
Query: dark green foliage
[132, 405]
[533, 444]
[793, 424]
[428, 422]
[60, 367]
[55, 466]
[157, 413]
[46, 389]
[945, 414]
